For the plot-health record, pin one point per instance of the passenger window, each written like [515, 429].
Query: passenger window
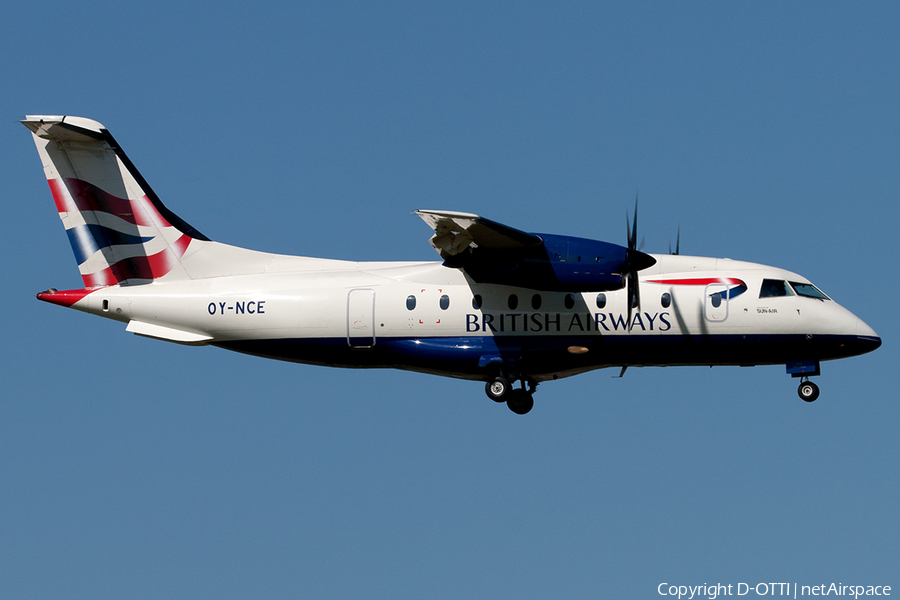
[601, 301]
[513, 302]
[445, 302]
[536, 301]
[476, 301]
[666, 300]
[716, 300]
[773, 288]
[410, 302]
[570, 301]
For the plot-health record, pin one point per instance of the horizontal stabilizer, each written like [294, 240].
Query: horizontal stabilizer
[168, 334]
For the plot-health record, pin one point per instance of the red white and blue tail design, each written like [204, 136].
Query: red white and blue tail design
[119, 230]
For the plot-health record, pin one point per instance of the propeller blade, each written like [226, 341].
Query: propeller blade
[634, 296]
[629, 299]
[628, 229]
[632, 241]
[635, 260]
[677, 243]
[637, 293]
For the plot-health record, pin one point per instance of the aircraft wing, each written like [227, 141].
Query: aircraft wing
[490, 252]
[455, 232]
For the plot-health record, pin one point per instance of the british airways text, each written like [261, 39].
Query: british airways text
[564, 322]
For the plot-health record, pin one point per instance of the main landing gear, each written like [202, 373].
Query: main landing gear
[808, 391]
[520, 401]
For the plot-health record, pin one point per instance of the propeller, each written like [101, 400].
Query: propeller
[635, 261]
[677, 243]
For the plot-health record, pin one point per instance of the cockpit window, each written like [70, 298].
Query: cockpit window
[808, 290]
[772, 288]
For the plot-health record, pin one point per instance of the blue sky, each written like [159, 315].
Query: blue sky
[768, 131]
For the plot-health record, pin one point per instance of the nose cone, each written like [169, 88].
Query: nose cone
[866, 338]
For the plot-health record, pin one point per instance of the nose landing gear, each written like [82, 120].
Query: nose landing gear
[808, 391]
[520, 401]
[804, 369]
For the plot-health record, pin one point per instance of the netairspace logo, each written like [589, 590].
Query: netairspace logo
[794, 590]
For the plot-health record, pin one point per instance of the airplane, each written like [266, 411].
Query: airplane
[503, 306]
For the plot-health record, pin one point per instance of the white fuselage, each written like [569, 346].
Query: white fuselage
[384, 314]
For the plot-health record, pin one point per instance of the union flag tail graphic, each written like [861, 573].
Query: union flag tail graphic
[119, 230]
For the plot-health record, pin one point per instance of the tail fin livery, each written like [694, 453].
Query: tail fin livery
[119, 230]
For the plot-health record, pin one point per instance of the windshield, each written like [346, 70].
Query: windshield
[808, 290]
[772, 288]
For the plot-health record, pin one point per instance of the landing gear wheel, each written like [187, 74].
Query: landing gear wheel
[520, 402]
[497, 388]
[808, 391]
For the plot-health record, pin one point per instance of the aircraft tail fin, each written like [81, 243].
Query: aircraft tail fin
[119, 230]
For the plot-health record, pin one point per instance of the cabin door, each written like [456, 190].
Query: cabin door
[361, 318]
[716, 302]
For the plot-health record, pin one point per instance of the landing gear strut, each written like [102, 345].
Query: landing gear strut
[808, 391]
[520, 401]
